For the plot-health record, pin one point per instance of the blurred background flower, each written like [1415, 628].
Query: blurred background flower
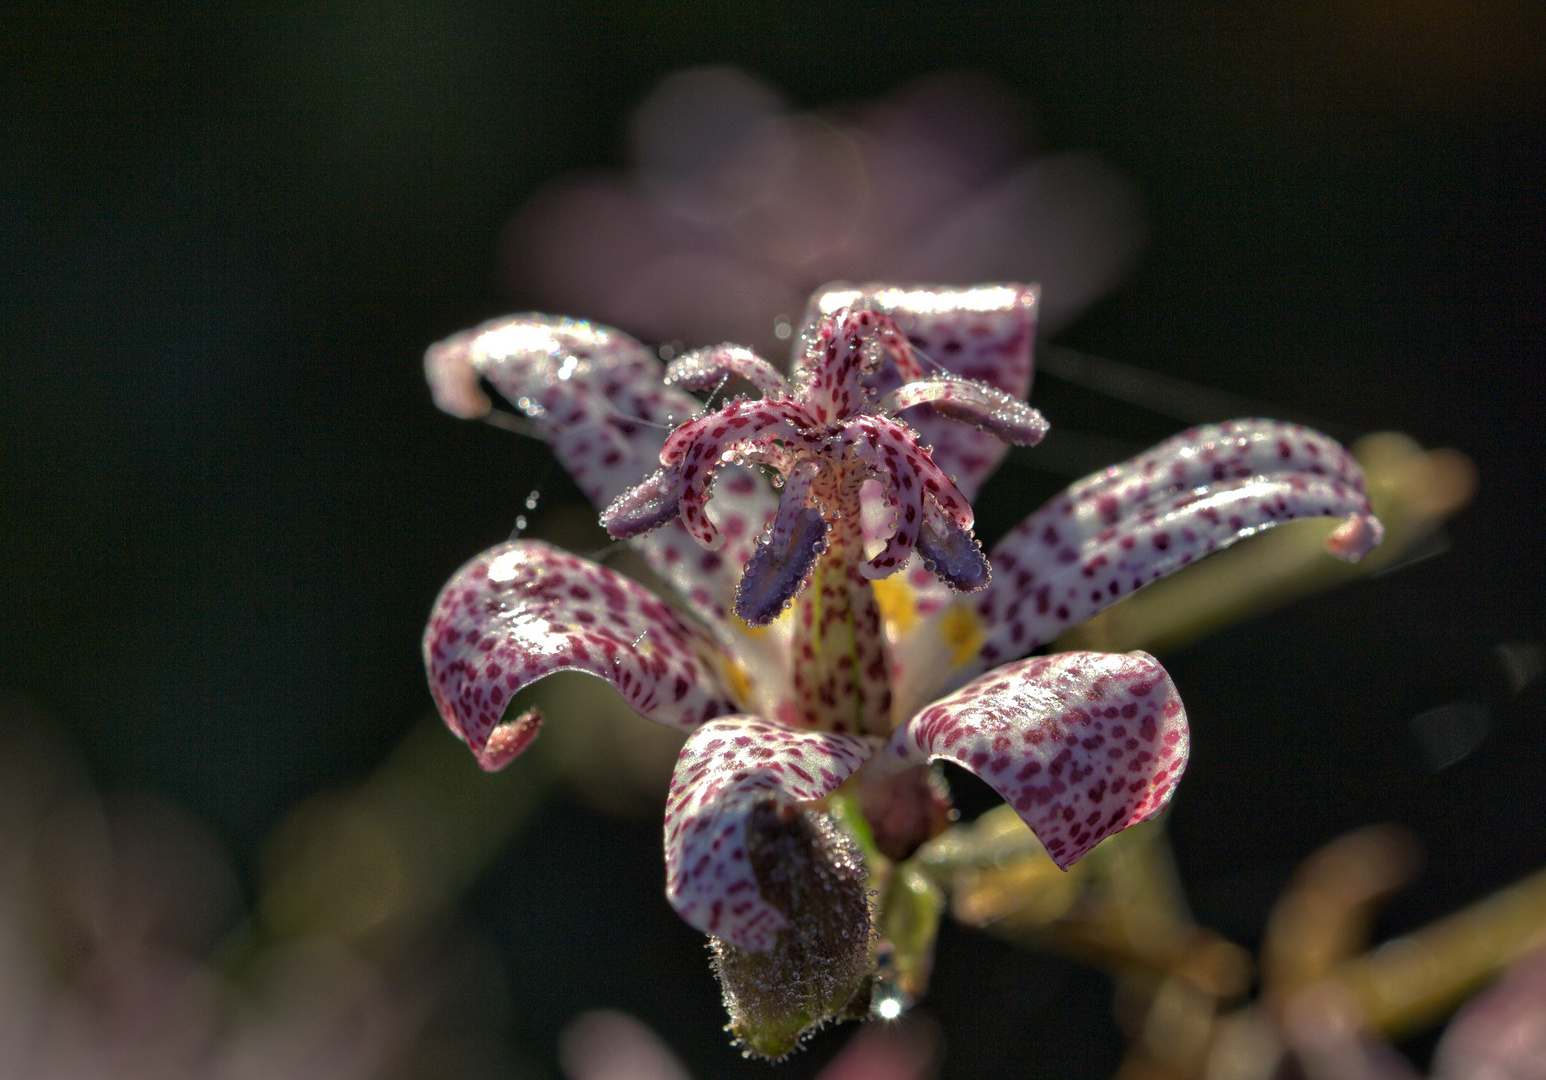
[123, 954]
[737, 208]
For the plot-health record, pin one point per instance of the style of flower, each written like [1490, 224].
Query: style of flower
[826, 611]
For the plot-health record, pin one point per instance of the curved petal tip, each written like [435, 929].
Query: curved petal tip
[509, 740]
[1355, 537]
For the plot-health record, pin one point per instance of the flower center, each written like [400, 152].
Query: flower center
[824, 438]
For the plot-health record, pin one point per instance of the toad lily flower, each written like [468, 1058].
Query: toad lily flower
[826, 613]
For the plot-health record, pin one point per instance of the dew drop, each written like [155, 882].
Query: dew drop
[520, 523]
[531, 500]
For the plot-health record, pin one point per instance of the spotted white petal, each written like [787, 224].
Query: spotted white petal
[1118, 530]
[523, 610]
[1081, 744]
[729, 767]
[599, 399]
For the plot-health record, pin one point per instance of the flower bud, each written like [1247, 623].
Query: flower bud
[820, 966]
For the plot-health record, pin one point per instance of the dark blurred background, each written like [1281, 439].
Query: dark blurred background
[226, 501]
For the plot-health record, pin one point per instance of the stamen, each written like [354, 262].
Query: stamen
[646, 506]
[953, 554]
[985, 407]
[701, 447]
[829, 430]
[703, 368]
[850, 346]
[897, 470]
[783, 559]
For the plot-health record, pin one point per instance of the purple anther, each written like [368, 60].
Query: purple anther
[773, 576]
[784, 557]
[648, 505]
[953, 555]
[985, 407]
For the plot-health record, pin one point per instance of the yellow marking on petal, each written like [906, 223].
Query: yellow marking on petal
[961, 631]
[853, 652]
[737, 680]
[895, 598]
[754, 632]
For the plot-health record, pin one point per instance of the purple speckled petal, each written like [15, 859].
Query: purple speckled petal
[706, 369]
[984, 333]
[523, 610]
[595, 393]
[1081, 744]
[728, 767]
[1116, 531]
[598, 398]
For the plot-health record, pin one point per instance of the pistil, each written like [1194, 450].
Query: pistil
[841, 667]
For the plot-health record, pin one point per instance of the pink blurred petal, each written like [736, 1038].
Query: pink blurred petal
[1067, 221]
[732, 195]
[818, 187]
[728, 767]
[581, 240]
[135, 1014]
[523, 610]
[1501, 1034]
[961, 123]
[1082, 745]
[703, 296]
[687, 131]
[610, 1045]
[905, 1050]
[1329, 1039]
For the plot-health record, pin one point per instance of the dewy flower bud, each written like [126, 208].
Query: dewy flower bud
[820, 966]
